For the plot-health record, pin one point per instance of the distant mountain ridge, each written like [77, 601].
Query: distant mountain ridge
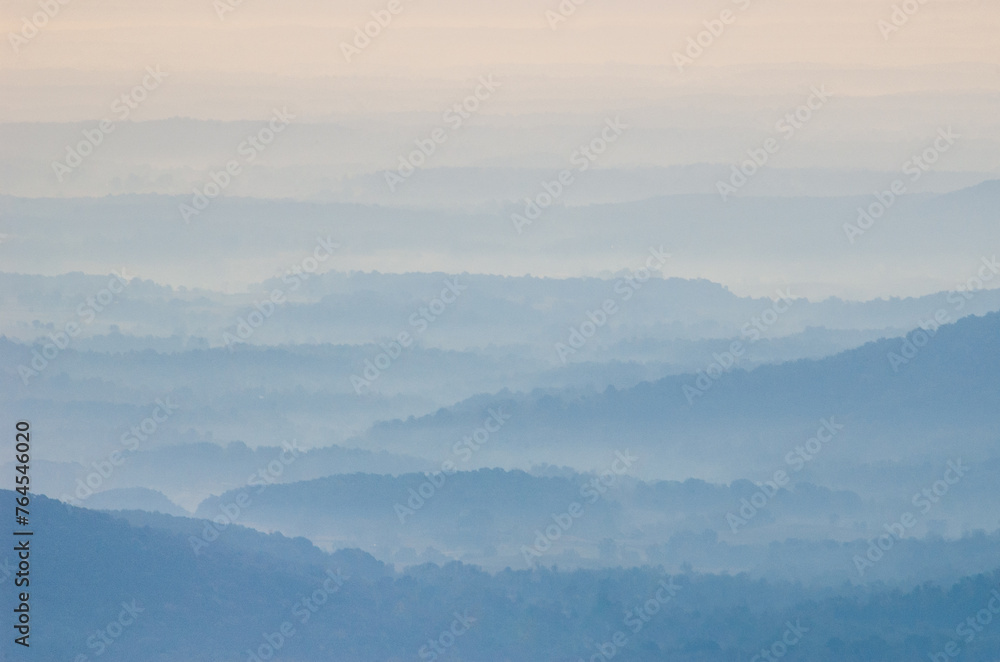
[949, 386]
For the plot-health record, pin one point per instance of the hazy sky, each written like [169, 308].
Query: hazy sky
[891, 91]
[263, 45]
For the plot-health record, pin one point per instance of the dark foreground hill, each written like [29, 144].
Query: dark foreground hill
[104, 589]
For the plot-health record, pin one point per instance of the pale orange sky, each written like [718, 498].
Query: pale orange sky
[946, 45]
